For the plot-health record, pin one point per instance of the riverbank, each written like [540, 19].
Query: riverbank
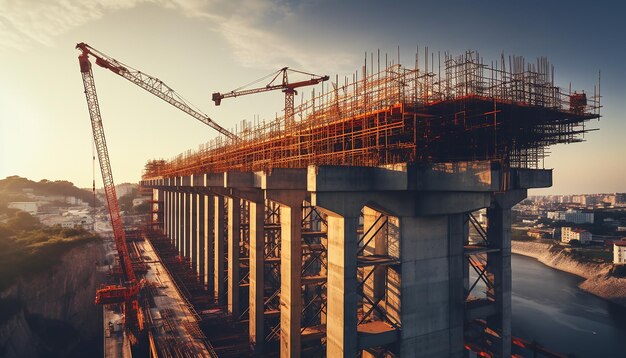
[598, 279]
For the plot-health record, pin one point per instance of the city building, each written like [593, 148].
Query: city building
[619, 252]
[572, 216]
[540, 233]
[568, 234]
[27, 206]
[69, 219]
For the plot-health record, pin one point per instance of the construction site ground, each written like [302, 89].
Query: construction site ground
[225, 336]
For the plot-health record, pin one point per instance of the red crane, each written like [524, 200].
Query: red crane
[127, 291]
[288, 88]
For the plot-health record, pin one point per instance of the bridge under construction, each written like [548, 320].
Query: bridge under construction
[347, 227]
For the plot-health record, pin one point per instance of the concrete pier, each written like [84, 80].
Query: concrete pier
[386, 266]
[234, 231]
[219, 283]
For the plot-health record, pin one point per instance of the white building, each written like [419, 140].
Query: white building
[572, 216]
[619, 252]
[70, 219]
[568, 234]
[27, 206]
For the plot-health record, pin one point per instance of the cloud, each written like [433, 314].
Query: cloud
[24, 24]
[253, 28]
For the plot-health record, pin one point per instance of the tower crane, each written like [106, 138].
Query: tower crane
[127, 292]
[288, 88]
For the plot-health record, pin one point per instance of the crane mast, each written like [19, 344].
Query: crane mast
[105, 166]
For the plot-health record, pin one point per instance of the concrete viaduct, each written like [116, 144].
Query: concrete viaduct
[354, 260]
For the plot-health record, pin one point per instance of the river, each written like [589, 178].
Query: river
[548, 307]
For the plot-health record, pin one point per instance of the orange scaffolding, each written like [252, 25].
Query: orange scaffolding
[510, 112]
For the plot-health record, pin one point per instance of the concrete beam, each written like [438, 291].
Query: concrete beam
[403, 203]
[530, 178]
[352, 178]
[214, 180]
[453, 177]
[283, 179]
[462, 176]
[239, 180]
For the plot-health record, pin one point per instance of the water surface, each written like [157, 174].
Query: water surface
[548, 307]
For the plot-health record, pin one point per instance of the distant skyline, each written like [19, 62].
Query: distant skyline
[201, 46]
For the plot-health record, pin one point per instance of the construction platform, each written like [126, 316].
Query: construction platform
[343, 229]
[468, 110]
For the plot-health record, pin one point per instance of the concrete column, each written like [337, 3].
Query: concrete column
[193, 234]
[170, 229]
[466, 265]
[499, 272]
[458, 232]
[168, 217]
[234, 238]
[166, 201]
[291, 274]
[257, 279]
[341, 326]
[209, 220]
[176, 227]
[218, 240]
[432, 276]
[179, 221]
[186, 224]
[200, 267]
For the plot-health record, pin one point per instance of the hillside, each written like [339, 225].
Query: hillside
[12, 189]
[27, 247]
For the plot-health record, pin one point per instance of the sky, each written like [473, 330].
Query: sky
[203, 46]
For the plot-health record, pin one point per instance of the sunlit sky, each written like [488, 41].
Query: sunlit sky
[204, 46]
